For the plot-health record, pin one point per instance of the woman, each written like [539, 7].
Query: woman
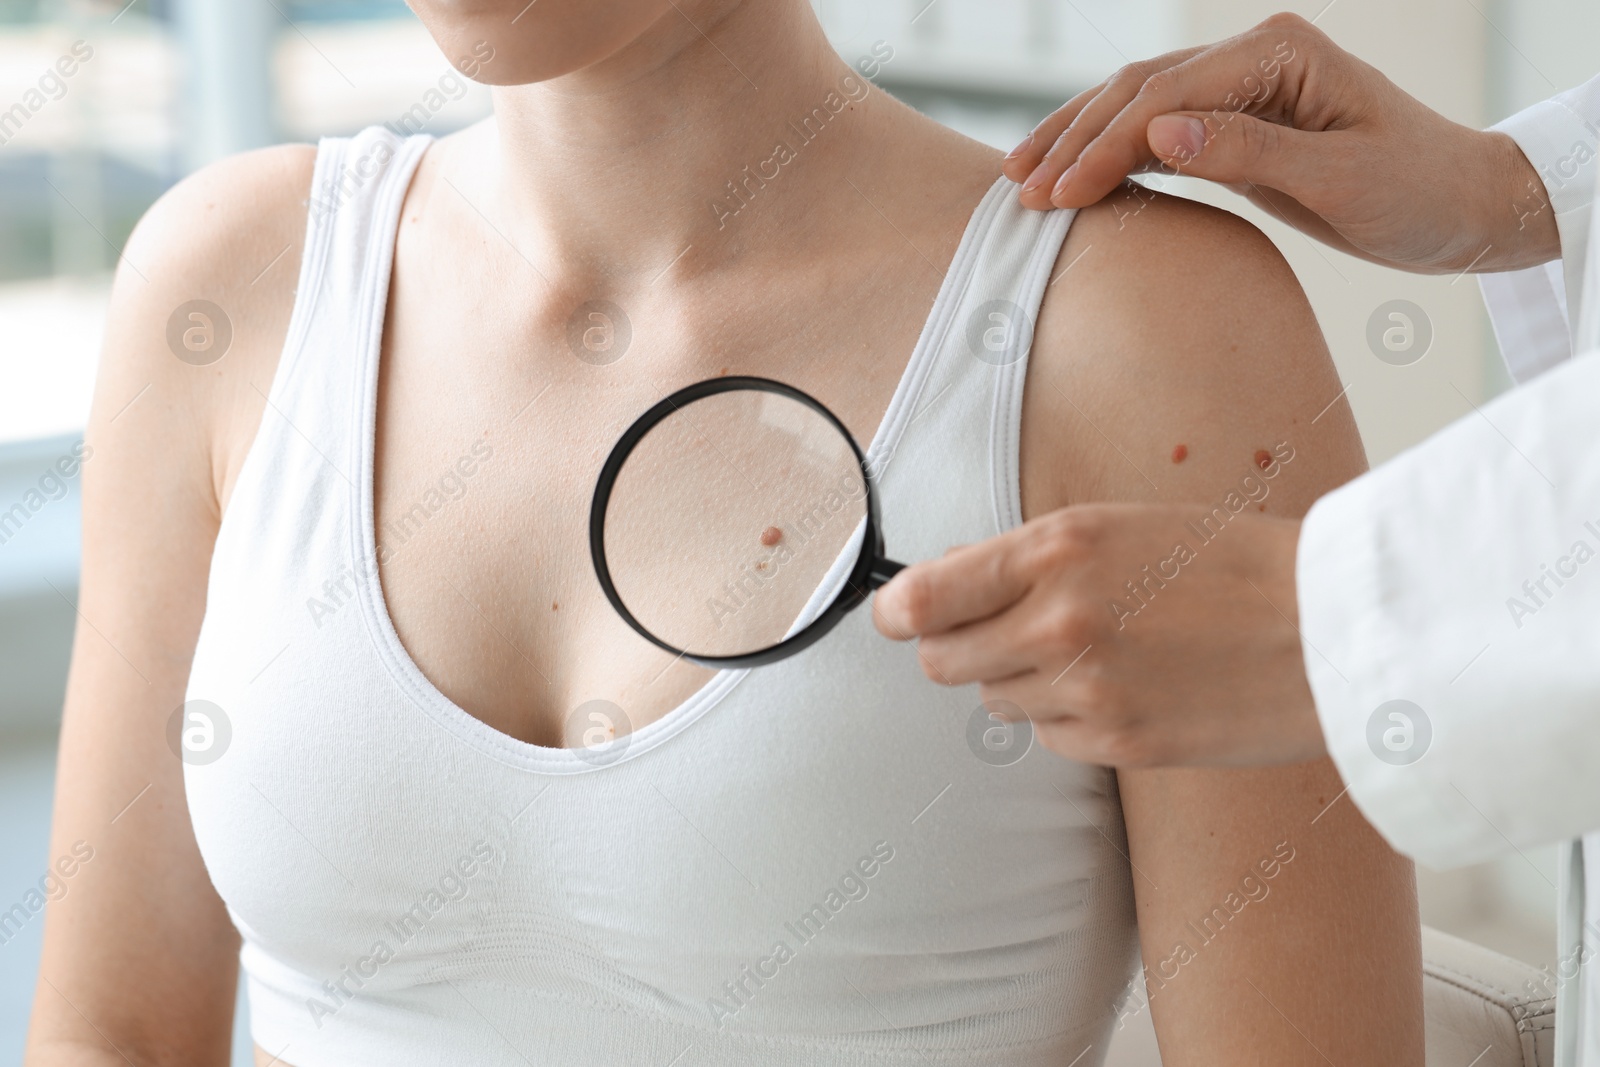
[354, 544]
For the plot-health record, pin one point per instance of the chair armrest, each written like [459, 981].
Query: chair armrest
[1483, 1008]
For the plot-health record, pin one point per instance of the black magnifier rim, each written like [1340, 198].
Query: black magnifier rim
[856, 586]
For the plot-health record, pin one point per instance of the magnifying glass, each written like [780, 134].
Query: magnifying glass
[735, 523]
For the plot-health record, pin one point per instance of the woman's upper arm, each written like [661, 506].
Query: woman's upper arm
[139, 954]
[1276, 926]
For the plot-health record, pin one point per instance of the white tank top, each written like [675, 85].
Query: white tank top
[830, 860]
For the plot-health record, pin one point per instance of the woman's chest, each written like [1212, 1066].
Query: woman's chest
[489, 439]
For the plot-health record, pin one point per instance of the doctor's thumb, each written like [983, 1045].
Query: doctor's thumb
[1229, 147]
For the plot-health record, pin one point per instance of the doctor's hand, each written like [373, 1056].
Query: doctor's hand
[1312, 134]
[1122, 648]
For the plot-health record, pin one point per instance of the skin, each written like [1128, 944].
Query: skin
[476, 331]
[1217, 676]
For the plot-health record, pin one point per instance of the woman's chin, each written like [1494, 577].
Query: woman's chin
[528, 42]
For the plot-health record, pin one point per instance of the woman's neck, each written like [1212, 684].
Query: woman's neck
[639, 165]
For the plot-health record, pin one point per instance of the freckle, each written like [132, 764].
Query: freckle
[722, 372]
[554, 606]
[1180, 453]
[762, 565]
[1261, 507]
[1263, 458]
[771, 536]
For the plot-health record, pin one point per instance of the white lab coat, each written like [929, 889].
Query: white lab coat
[1464, 576]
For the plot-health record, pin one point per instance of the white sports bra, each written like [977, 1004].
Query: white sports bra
[831, 860]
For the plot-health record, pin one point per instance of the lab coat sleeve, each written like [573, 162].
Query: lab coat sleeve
[1538, 313]
[1464, 577]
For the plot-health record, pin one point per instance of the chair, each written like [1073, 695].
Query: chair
[1484, 1009]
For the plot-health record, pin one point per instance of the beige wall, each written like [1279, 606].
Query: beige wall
[1548, 45]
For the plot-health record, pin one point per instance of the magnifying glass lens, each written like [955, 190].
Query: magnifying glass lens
[734, 521]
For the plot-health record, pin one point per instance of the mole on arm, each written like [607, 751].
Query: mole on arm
[771, 536]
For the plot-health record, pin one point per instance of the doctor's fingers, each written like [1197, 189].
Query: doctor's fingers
[1259, 72]
[1062, 551]
[966, 584]
[1039, 633]
[1079, 716]
[1055, 142]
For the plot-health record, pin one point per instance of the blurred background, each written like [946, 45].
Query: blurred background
[168, 85]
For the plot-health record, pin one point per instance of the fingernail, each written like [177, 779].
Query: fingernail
[1066, 179]
[1036, 179]
[1021, 148]
[1176, 136]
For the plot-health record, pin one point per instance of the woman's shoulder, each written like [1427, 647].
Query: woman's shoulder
[203, 291]
[229, 234]
[203, 231]
[1171, 285]
[933, 150]
[926, 177]
[1175, 345]
[1152, 241]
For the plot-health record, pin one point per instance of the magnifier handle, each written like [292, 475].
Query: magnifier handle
[882, 570]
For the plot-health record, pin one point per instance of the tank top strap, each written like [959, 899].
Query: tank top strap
[358, 185]
[1016, 270]
[978, 339]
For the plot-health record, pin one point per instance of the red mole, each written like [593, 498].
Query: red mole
[1263, 458]
[771, 536]
[1180, 453]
